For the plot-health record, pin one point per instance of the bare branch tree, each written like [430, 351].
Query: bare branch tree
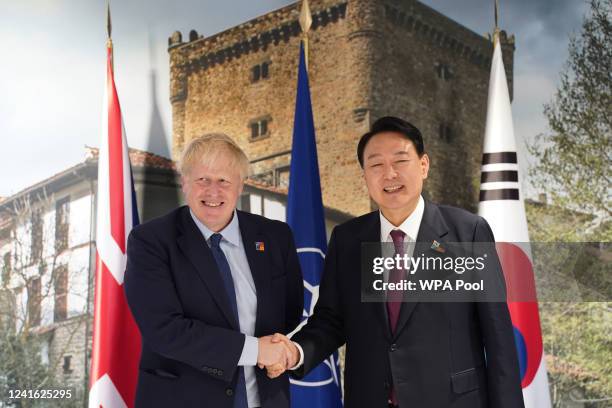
[39, 278]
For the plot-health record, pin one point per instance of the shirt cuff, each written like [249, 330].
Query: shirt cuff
[301, 361]
[250, 350]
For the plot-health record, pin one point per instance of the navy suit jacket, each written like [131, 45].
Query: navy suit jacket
[436, 357]
[190, 341]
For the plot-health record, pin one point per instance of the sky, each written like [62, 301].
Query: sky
[52, 69]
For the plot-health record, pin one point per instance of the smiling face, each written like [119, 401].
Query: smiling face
[394, 174]
[212, 190]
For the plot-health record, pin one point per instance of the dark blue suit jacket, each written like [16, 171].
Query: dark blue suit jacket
[190, 342]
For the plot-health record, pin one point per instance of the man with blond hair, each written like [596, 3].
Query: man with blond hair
[207, 284]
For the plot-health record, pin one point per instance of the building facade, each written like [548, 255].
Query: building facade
[47, 256]
[367, 59]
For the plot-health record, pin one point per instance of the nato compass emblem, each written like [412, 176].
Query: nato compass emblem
[312, 261]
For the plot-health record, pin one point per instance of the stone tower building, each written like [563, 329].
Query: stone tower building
[367, 59]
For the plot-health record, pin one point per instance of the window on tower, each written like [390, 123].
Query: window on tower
[259, 128]
[256, 73]
[260, 71]
[443, 71]
[445, 132]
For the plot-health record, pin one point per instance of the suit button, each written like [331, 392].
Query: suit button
[219, 373]
[393, 347]
[229, 392]
[214, 371]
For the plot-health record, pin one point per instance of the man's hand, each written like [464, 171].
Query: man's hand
[293, 356]
[271, 354]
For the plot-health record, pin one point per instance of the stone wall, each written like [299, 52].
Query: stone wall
[67, 349]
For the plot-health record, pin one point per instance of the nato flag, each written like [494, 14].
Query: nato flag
[321, 388]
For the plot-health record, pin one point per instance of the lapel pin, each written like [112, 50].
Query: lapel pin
[259, 246]
[436, 246]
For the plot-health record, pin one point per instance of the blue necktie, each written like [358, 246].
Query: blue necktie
[240, 401]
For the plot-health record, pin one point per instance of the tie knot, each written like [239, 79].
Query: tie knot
[398, 240]
[398, 236]
[215, 239]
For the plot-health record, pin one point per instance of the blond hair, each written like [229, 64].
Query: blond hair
[208, 149]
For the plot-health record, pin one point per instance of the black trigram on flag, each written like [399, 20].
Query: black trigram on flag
[500, 167]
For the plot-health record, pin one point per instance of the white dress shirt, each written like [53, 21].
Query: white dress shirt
[410, 226]
[246, 298]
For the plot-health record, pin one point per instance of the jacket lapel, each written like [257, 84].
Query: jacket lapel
[432, 228]
[258, 263]
[370, 233]
[195, 248]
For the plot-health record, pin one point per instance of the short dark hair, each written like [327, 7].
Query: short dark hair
[392, 124]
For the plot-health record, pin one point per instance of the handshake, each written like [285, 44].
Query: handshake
[277, 354]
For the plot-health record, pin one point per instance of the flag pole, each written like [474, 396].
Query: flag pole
[496, 31]
[109, 29]
[305, 23]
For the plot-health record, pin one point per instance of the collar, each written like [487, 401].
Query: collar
[410, 226]
[231, 233]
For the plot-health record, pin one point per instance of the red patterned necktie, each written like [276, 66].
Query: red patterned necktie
[394, 297]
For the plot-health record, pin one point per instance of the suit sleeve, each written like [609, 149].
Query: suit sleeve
[324, 332]
[295, 285]
[152, 297]
[498, 335]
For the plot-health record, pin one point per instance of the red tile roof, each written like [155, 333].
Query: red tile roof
[138, 158]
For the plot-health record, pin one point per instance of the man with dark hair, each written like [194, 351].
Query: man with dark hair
[396, 125]
[406, 354]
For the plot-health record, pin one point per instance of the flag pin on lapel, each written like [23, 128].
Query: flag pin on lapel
[436, 246]
[259, 246]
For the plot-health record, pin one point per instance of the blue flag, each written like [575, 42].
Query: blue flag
[321, 387]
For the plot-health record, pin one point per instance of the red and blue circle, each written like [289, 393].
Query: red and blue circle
[523, 307]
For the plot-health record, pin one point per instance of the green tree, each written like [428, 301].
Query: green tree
[573, 168]
[573, 159]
